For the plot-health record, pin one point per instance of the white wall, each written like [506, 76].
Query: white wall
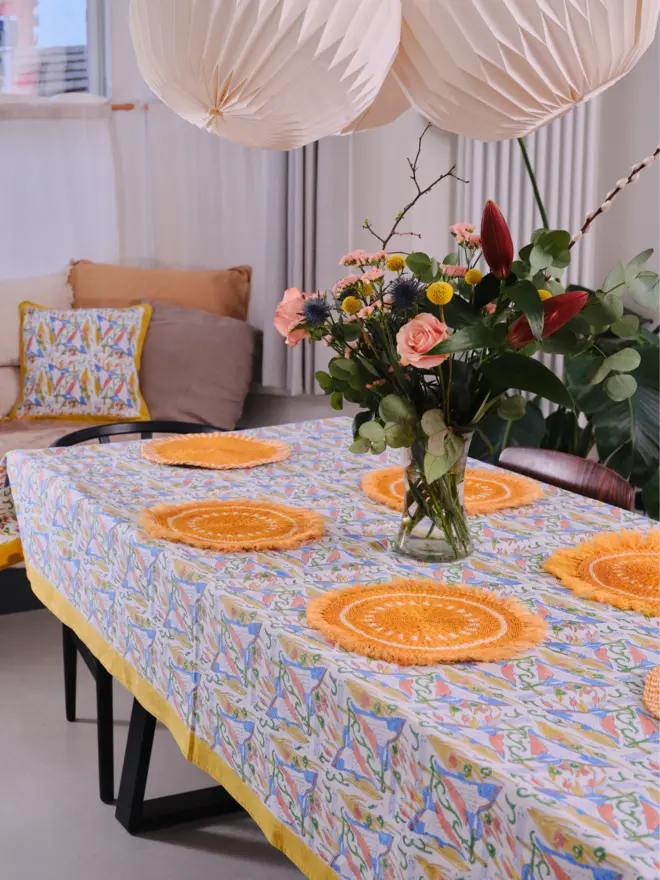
[630, 130]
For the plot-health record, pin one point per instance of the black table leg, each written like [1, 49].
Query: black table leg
[137, 814]
[70, 657]
[105, 734]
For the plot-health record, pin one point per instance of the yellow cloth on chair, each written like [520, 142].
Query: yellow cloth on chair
[616, 568]
[237, 524]
[417, 622]
[215, 451]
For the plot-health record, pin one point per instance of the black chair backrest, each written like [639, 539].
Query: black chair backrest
[146, 430]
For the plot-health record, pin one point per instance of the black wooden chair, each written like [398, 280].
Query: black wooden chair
[71, 644]
[580, 475]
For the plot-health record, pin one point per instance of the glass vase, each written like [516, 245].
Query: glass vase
[434, 526]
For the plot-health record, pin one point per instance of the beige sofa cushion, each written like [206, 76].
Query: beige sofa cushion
[10, 386]
[49, 291]
[221, 291]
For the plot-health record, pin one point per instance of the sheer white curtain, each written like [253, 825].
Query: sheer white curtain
[58, 186]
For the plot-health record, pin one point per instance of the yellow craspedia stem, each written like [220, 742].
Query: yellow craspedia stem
[473, 276]
[440, 292]
[545, 294]
[351, 305]
[395, 263]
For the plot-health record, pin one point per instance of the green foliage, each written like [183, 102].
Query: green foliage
[512, 409]
[493, 433]
[525, 297]
[397, 409]
[476, 336]
[442, 459]
[511, 370]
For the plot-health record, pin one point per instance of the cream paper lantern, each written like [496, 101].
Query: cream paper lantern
[390, 103]
[496, 69]
[277, 74]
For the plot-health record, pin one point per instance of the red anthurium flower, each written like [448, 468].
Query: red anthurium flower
[556, 312]
[496, 242]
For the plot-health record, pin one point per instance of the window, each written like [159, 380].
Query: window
[44, 46]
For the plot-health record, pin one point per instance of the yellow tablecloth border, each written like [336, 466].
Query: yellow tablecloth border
[194, 749]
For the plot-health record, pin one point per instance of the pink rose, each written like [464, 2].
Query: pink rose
[419, 336]
[289, 314]
[490, 308]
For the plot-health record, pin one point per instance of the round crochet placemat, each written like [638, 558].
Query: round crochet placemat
[237, 524]
[652, 692]
[418, 622]
[215, 451]
[485, 491]
[616, 568]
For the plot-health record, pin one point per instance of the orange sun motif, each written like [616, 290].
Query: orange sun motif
[215, 451]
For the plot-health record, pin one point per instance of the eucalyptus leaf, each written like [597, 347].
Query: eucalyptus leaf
[626, 326]
[359, 446]
[351, 330]
[623, 361]
[372, 431]
[433, 421]
[397, 409]
[601, 372]
[616, 277]
[418, 263]
[324, 380]
[641, 259]
[620, 387]
[337, 400]
[398, 436]
[644, 288]
[539, 260]
[436, 466]
[342, 368]
[614, 303]
[512, 409]
[359, 420]
[451, 259]
[378, 448]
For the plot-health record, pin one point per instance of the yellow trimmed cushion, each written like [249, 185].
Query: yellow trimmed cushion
[81, 364]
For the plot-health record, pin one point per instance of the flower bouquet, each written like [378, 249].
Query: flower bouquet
[428, 348]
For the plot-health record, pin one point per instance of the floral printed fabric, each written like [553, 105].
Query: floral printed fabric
[540, 767]
[81, 363]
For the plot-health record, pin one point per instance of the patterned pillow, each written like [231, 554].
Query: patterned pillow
[81, 363]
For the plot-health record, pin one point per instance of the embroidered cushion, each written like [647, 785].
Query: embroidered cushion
[81, 363]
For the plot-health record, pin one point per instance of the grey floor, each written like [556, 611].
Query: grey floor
[52, 824]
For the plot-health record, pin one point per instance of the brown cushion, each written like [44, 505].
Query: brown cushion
[196, 367]
[220, 291]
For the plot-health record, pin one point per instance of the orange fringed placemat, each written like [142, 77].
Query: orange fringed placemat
[215, 451]
[485, 491]
[418, 622]
[616, 568]
[652, 692]
[239, 524]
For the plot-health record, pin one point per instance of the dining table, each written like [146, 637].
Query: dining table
[545, 765]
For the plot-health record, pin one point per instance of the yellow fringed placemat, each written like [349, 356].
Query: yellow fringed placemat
[238, 524]
[616, 568]
[485, 491]
[417, 622]
[652, 692]
[215, 451]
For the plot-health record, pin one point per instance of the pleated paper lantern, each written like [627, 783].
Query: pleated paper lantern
[495, 69]
[390, 103]
[277, 74]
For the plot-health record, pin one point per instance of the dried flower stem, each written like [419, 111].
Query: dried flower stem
[621, 184]
[420, 192]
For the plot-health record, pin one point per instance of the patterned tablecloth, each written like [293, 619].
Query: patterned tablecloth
[542, 767]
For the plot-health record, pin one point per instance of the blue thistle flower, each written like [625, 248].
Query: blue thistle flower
[404, 292]
[316, 311]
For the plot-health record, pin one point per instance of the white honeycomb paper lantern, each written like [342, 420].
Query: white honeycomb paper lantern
[390, 103]
[276, 74]
[496, 69]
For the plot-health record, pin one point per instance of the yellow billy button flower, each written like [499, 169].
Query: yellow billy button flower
[440, 292]
[395, 263]
[351, 305]
[367, 288]
[473, 276]
[545, 294]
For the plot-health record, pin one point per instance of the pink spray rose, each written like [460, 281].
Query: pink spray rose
[460, 231]
[419, 336]
[289, 314]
